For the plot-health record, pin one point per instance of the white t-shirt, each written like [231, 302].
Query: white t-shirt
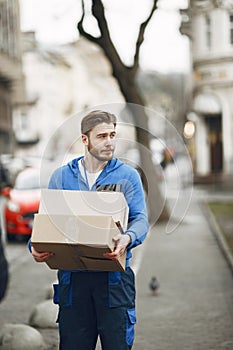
[88, 177]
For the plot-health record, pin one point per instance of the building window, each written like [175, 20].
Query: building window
[208, 31]
[231, 28]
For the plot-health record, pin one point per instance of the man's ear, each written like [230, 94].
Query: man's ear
[84, 139]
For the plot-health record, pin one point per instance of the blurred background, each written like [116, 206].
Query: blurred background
[182, 75]
[165, 67]
[48, 72]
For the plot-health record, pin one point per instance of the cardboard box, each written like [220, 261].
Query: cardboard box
[64, 202]
[78, 228]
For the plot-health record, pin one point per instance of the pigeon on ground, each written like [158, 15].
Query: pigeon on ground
[154, 285]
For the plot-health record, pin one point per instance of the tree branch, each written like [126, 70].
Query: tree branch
[99, 14]
[140, 38]
[104, 40]
[82, 30]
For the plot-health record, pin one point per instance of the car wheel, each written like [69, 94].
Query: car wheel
[22, 238]
[10, 237]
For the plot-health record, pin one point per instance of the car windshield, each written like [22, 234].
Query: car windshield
[28, 179]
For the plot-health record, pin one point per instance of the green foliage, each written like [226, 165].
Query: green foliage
[223, 213]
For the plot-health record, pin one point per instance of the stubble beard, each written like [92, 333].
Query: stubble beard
[97, 154]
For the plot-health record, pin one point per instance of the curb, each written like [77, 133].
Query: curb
[217, 232]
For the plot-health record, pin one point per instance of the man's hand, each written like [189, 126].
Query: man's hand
[41, 256]
[121, 243]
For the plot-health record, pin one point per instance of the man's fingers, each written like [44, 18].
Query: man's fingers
[117, 238]
[41, 256]
[115, 254]
[121, 243]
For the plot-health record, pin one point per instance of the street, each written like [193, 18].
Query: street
[194, 305]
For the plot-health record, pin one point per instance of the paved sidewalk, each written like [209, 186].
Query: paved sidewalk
[194, 306]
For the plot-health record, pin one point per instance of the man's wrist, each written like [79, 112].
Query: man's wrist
[130, 238]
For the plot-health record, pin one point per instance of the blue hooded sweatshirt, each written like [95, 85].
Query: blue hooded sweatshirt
[69, 177]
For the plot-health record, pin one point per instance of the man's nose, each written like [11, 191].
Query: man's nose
[108, 140]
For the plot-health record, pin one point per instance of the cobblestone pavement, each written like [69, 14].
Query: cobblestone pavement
[193, 309]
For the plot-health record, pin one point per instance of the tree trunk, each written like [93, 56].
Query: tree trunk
[155, 201]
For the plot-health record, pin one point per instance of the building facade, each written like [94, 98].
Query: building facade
[60, 82]
[11, 77]
[209, 24]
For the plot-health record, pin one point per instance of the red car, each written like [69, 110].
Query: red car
[22, 202]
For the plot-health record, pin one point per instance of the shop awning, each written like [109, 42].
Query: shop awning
[206, 103]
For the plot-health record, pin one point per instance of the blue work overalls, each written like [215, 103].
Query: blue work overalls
[93, 303]
[96, 303]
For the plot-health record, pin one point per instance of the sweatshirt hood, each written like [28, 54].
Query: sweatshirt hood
[113, 164]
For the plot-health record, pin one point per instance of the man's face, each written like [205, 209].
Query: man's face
[101, 141]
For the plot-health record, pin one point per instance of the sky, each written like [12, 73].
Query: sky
[164, 48]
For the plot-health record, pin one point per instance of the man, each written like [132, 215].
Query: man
[100, 303]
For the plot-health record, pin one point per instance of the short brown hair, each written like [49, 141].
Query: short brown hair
[94, 118]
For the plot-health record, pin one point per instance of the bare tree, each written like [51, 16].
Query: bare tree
[126, 78]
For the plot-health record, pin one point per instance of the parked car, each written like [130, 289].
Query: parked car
[22, 202]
